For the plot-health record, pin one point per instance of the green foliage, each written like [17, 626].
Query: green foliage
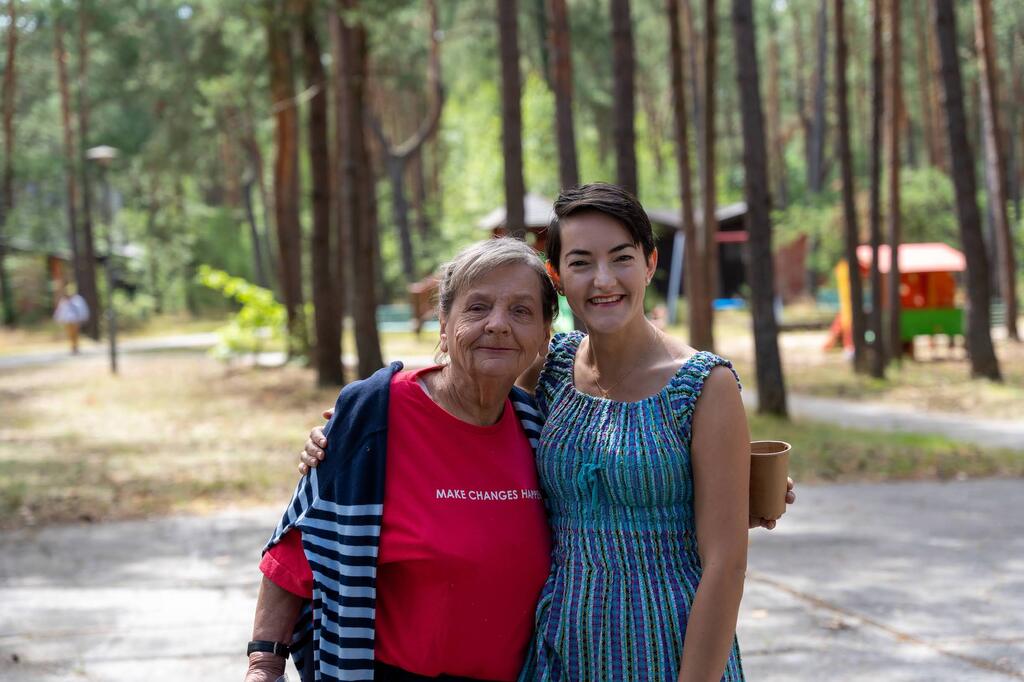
[822, 221]
[259, 321]
[928, 207]
[133, 311]
[927, 214]
[182, 90]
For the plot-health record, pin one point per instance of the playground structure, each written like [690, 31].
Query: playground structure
[928, 293]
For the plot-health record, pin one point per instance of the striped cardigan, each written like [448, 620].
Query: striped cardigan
[338, 509]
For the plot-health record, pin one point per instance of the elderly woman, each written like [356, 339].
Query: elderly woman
[644, 461]
[419, 548]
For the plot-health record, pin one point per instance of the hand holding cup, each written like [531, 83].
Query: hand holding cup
[769, 465]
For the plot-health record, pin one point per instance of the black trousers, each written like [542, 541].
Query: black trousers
[382, 672]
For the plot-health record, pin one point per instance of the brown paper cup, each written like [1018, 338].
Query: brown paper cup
[769, 466]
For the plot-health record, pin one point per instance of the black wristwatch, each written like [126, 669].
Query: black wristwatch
[276, 648]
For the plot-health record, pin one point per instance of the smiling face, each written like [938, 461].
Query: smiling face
[603, 272]
[496, 326]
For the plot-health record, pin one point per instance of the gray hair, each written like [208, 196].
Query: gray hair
[476, 260]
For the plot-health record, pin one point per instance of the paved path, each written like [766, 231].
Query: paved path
[90, 349]
[898, 582]
[1002, 433]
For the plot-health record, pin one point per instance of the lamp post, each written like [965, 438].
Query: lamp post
[103, 156]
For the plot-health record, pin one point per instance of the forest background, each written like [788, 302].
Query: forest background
[255, 138]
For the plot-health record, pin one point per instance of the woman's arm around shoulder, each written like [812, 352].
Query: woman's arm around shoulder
[528, 379]
[356, 402]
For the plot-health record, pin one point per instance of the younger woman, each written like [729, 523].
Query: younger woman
[644, 462]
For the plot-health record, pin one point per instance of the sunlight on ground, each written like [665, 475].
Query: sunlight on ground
[50, 337]
[171, 432]
[181, 431]
[939, 380]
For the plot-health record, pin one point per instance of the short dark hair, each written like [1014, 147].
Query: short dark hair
[600, 197]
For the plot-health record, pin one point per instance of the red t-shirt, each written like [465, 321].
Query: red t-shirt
[464, 547]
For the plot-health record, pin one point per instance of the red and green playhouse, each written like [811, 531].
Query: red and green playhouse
[928, 291]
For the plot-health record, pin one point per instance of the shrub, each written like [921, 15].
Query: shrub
[259, 320]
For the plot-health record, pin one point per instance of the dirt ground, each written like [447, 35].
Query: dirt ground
[174, 431]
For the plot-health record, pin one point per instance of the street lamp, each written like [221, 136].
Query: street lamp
[103, 156]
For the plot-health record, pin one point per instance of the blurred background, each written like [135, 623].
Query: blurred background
[214, 214]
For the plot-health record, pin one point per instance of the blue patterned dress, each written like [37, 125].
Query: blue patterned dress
[625, 567]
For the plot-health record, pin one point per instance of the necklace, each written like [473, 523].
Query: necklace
[605, 392]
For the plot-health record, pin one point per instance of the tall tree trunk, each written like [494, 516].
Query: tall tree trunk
[258, 261]
[327, 321]
[858, 33]
[851, 233]
[255, 157]
[649, 97]
[624, 95]
[694, 61]
[975, 131]
[800, 83]
[732, 139]
[230, 179]
[1017, 136]
[561, 80]
[359, 196]
[937, 126]
[1013, 132]
[994, 159]
[343, 169]
[682, 140]
[60, 59]
[286, 175]
[894, 107]
[924, 87]
[538, 12]
[979, 338]
[804, 112]
[816, 148]
[396, 157]
[777, 150]
[9, 100]
[419, 195]
[87, 287]
[511, 118]
[152, 233]
[875, 323]
[7, 189]
[771, 387]
[908, 136]
[560, 49]
[701, 312]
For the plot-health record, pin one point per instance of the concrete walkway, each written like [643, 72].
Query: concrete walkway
[1002, 433]
[896, 582]
[90, 349]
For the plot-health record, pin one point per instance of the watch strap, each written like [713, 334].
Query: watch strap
[276, 648]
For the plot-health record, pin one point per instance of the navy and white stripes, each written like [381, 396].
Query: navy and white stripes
[338, 508]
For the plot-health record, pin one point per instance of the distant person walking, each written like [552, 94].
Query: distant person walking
[72, 312]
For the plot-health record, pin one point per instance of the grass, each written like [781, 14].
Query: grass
[179, 431]
[172, 432]
[822, 452]
[939, 380]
